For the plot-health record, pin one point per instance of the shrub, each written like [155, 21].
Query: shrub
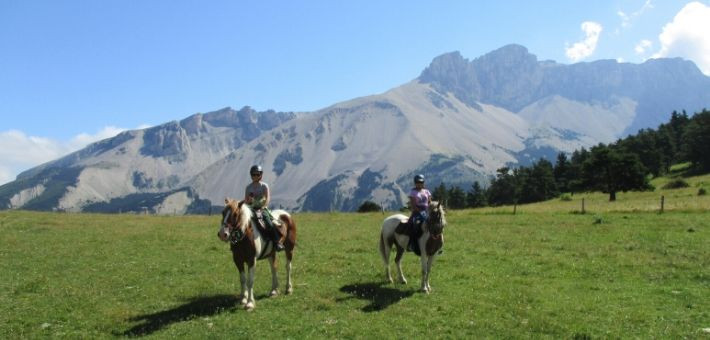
[702, 192]
[565, 198]
[598, 219]
[676, 184]
[369, 206]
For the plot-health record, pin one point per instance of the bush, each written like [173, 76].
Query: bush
[565, 198]
[676, 184]
[369, 206]
[702, 192]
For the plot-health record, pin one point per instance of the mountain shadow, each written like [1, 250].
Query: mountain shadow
[379, 296]
[195, 307]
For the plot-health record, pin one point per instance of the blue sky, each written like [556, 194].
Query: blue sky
[73, 72]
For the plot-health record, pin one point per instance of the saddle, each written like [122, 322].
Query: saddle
[258, 219]
[413, 231]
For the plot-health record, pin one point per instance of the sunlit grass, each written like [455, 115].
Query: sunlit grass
[683, 199]
[620, 271]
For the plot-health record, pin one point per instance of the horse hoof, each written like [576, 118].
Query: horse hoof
[274, 293]
[249, 307]
[289, 290]
[243, 302]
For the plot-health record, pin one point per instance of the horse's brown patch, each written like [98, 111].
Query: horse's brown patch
[433, 245]
[402, 228]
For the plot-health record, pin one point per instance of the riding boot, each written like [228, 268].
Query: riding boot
[412, 236]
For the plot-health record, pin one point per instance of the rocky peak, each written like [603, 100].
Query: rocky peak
[512, 54]
[450, 72]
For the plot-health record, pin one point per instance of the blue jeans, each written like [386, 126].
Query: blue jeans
[419, 217]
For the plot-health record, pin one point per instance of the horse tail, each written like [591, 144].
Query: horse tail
[290, 229]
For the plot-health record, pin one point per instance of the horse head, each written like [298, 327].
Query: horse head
[232, 219]
[437, 219]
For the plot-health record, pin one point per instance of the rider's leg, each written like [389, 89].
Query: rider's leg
[275, 235]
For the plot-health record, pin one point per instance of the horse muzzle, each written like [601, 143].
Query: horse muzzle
[223, 234]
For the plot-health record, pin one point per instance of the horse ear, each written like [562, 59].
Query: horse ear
[439, 205]
[226, 200]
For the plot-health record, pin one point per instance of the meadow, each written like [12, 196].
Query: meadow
[620, 270]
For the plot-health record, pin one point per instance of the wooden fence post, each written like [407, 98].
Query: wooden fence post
[582, 205]
[663, 199]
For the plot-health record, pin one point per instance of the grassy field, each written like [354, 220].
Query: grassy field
[622, 270]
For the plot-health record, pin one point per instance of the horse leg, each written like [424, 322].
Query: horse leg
[385, 248]
[289, 284]
[243, 281]
[426, 265]
[274, 277]
[251, 303]
[398, 261]
[430, 262]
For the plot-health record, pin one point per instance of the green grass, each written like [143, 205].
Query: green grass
[620, 271]
[681, 200]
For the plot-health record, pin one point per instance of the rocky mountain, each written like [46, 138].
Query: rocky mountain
[457, 122]
[136, 169]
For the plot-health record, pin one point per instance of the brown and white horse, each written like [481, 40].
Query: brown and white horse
[248, 246]
[430, 242]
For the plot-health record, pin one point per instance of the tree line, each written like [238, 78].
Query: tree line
[625, 165]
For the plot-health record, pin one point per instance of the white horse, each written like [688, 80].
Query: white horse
[394, 232]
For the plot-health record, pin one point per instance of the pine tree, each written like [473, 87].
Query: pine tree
[576, 180]
[696, 141]
[611, 171]
[538, 183]
[503, 189]
[440, 193]
[456, 198]
[562, 172]
[476, 197]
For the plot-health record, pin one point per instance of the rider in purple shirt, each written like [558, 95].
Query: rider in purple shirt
[419, 200]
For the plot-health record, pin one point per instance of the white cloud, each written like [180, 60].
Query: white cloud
[626, 19]
[643, 46]
[586, 47]
[83, 139]
[19, 152]
[688, 36]
[5, 175]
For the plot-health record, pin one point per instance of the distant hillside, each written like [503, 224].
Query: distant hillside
[456, 123]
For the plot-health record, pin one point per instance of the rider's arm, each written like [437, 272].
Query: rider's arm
[267, 196]
[247, 198]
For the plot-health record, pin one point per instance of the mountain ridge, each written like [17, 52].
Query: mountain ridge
[457, 122]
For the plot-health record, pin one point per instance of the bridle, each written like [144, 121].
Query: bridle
[435, 224]
[235, 233]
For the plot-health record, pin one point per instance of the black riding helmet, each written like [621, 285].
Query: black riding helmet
[419, 179]
[256, 169]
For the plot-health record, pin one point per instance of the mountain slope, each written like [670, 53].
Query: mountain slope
[514, 79]
[155, 160]
[457, 123]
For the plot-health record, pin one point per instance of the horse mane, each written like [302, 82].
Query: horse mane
[244, 213]
[434, 206]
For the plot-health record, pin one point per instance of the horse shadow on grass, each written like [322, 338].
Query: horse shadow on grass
[377, 293]
[195, 307]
